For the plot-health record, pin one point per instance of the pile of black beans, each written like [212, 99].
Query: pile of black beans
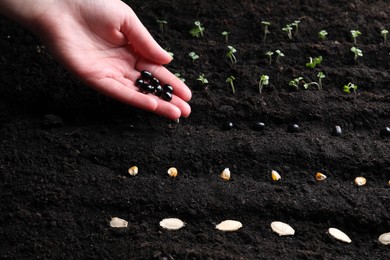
[149, 84]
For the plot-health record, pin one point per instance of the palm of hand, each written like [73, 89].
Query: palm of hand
[108, 53]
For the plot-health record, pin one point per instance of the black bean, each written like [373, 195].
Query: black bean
[158, 90]
[146, 88]
[166, 96]
[228, 126]
[258, 126]
[336, 131]
[154, 82]
[293, 128]
[146, 75]
[168, 88]
[139, 82]
[385, 132]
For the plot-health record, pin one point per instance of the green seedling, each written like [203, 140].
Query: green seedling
[180, 77]
[226, 35]
[280, 54]
[320, 77]
[355, 34]
[295, 82]
[162, 24]
[384, 34]
[269, 54]
[230, 81]
[193, 56]
[296, 25]
[322, 35]
[288, 30]
[314, 62]
[264, 81]
[347, 88]
[357, 52]
[265, 25]
[230, 54]
[202, 79]
[197, 30]
[307, 85]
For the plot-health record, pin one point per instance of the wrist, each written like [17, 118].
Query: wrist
[25, 12]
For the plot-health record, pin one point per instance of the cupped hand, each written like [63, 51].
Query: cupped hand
[105, 45]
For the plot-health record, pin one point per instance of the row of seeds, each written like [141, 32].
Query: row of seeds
[282, 229]
[226, 175]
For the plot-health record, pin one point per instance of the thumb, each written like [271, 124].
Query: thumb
[142, 41]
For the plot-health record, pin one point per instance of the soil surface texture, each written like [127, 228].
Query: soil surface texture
[65, 149]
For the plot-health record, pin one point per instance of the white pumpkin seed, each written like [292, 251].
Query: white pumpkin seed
[360, 181]
[172, 223]
[118, 223]
[282, 229]
[172, 172]
[320, 176]
[133, 170]
[275, 175]
[229, 225]
[384, 239]
[340, 235]
[225, 174]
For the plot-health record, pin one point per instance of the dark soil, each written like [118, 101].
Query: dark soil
[65, 149]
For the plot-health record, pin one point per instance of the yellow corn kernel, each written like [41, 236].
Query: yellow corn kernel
[275, 175]
[133, 170]
[320, 176]
[172, 172]
[360, 181]
[225, 174]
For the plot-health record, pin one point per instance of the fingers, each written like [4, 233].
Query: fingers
[166, 77]
[142, 41]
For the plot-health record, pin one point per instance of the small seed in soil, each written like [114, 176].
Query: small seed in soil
[118, 223]
[172, 223]
[320, 176]
[166, 96]
[360, 181]
[146, 75]
[228, 126]
[168, 88]
[172, 172]
[133, 170]
[229, 225]
[339, 235]
[385, 132]
[258, 126]
[275, 175]
[282, 229]
[158, 90]
[336, 131]
[225, 174]
[293, 128]
[384, 239]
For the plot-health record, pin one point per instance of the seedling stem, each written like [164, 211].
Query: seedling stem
[355, 34]
[197, 30]
[230, 54]
[280, 54]
[264, 81]
[226, 34]
[269, 54]
[349, 86]
[266, 31]
[384, 33]
[230, 80]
